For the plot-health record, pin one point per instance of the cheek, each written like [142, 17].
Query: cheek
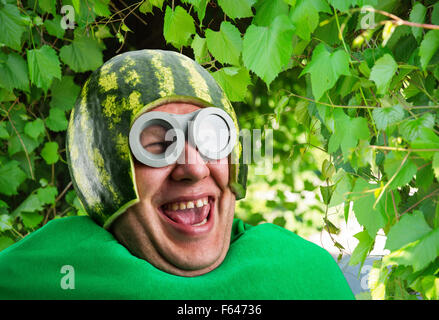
[219, 170]
[148, 179]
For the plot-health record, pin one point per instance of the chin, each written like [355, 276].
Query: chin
[193, 264]
[197, 262]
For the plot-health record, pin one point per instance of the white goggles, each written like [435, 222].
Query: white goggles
[157, 139]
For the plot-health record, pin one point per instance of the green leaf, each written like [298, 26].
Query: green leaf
[234, 82]
[364, 199]
[47, 6]
[435, 165]
[47, 195]
[50, 152]
[357, 128]
[84, 54]
[53, 27]
[429, 46]
[178, 26]
[145, 7]
[417, 15]
[6, 95]
[237, 8]
[34, 128]
[226, 44]
[5, 242]
[327, 192]
[410, 228]
[417, 254]
[44, 66]
[199, 46]
[384, 117]
[11, 26]
[84, 13]
[100, 7]
[428, 286]
[11, 176]
[342, 5]
[325, 68]
[56, 121]
[328, 169]
[305, 16]
[157, 3]
[435, 14]
[331, 228]
[424, 177]
[427, 139]
[268, 10]
[15, 144]
[266, 50]
[378, 279]
[31, 219]
[4, 134]
[64, 93]
[103, 32]
[5, 222]
[342, 188]
[280, 221]
[13, 70]
[383, 72]
[30, 204]
[200, 8]
[410, 129]
[392, 164]
[363, 247]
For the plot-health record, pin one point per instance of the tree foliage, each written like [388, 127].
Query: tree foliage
[350, 89]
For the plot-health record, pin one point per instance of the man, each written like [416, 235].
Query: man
[161, 194]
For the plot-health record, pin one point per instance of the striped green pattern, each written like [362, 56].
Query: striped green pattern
[127, 85]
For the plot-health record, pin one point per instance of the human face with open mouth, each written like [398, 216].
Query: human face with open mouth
[183, 221]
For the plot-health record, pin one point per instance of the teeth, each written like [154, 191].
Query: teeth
[200, 203]
[200, 224]
[187, 204]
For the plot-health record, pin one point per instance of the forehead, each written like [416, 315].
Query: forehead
[176, 108]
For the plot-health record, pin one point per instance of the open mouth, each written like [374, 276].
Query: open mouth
[189, 215]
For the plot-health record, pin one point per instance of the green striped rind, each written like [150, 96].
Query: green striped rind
[126, 86]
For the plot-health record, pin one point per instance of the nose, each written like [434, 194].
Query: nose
[190, 166]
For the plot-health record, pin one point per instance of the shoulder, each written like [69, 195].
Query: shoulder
[299, 268]
[58, 234]
[272, 238]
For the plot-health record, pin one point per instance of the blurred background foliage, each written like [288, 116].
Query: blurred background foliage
[349, 88]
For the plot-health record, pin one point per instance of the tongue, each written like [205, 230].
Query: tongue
[189, 216]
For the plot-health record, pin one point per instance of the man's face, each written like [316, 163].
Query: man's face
[183, 221]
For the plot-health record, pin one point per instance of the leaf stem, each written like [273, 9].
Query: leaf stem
[416, 204]
[391, 179]
[24, 148]
[340, 36]
[403, 149]
[395, 19]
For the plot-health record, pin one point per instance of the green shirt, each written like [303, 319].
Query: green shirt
[74, 258]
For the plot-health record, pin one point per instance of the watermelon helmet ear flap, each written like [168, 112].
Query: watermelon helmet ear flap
[97, 144]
